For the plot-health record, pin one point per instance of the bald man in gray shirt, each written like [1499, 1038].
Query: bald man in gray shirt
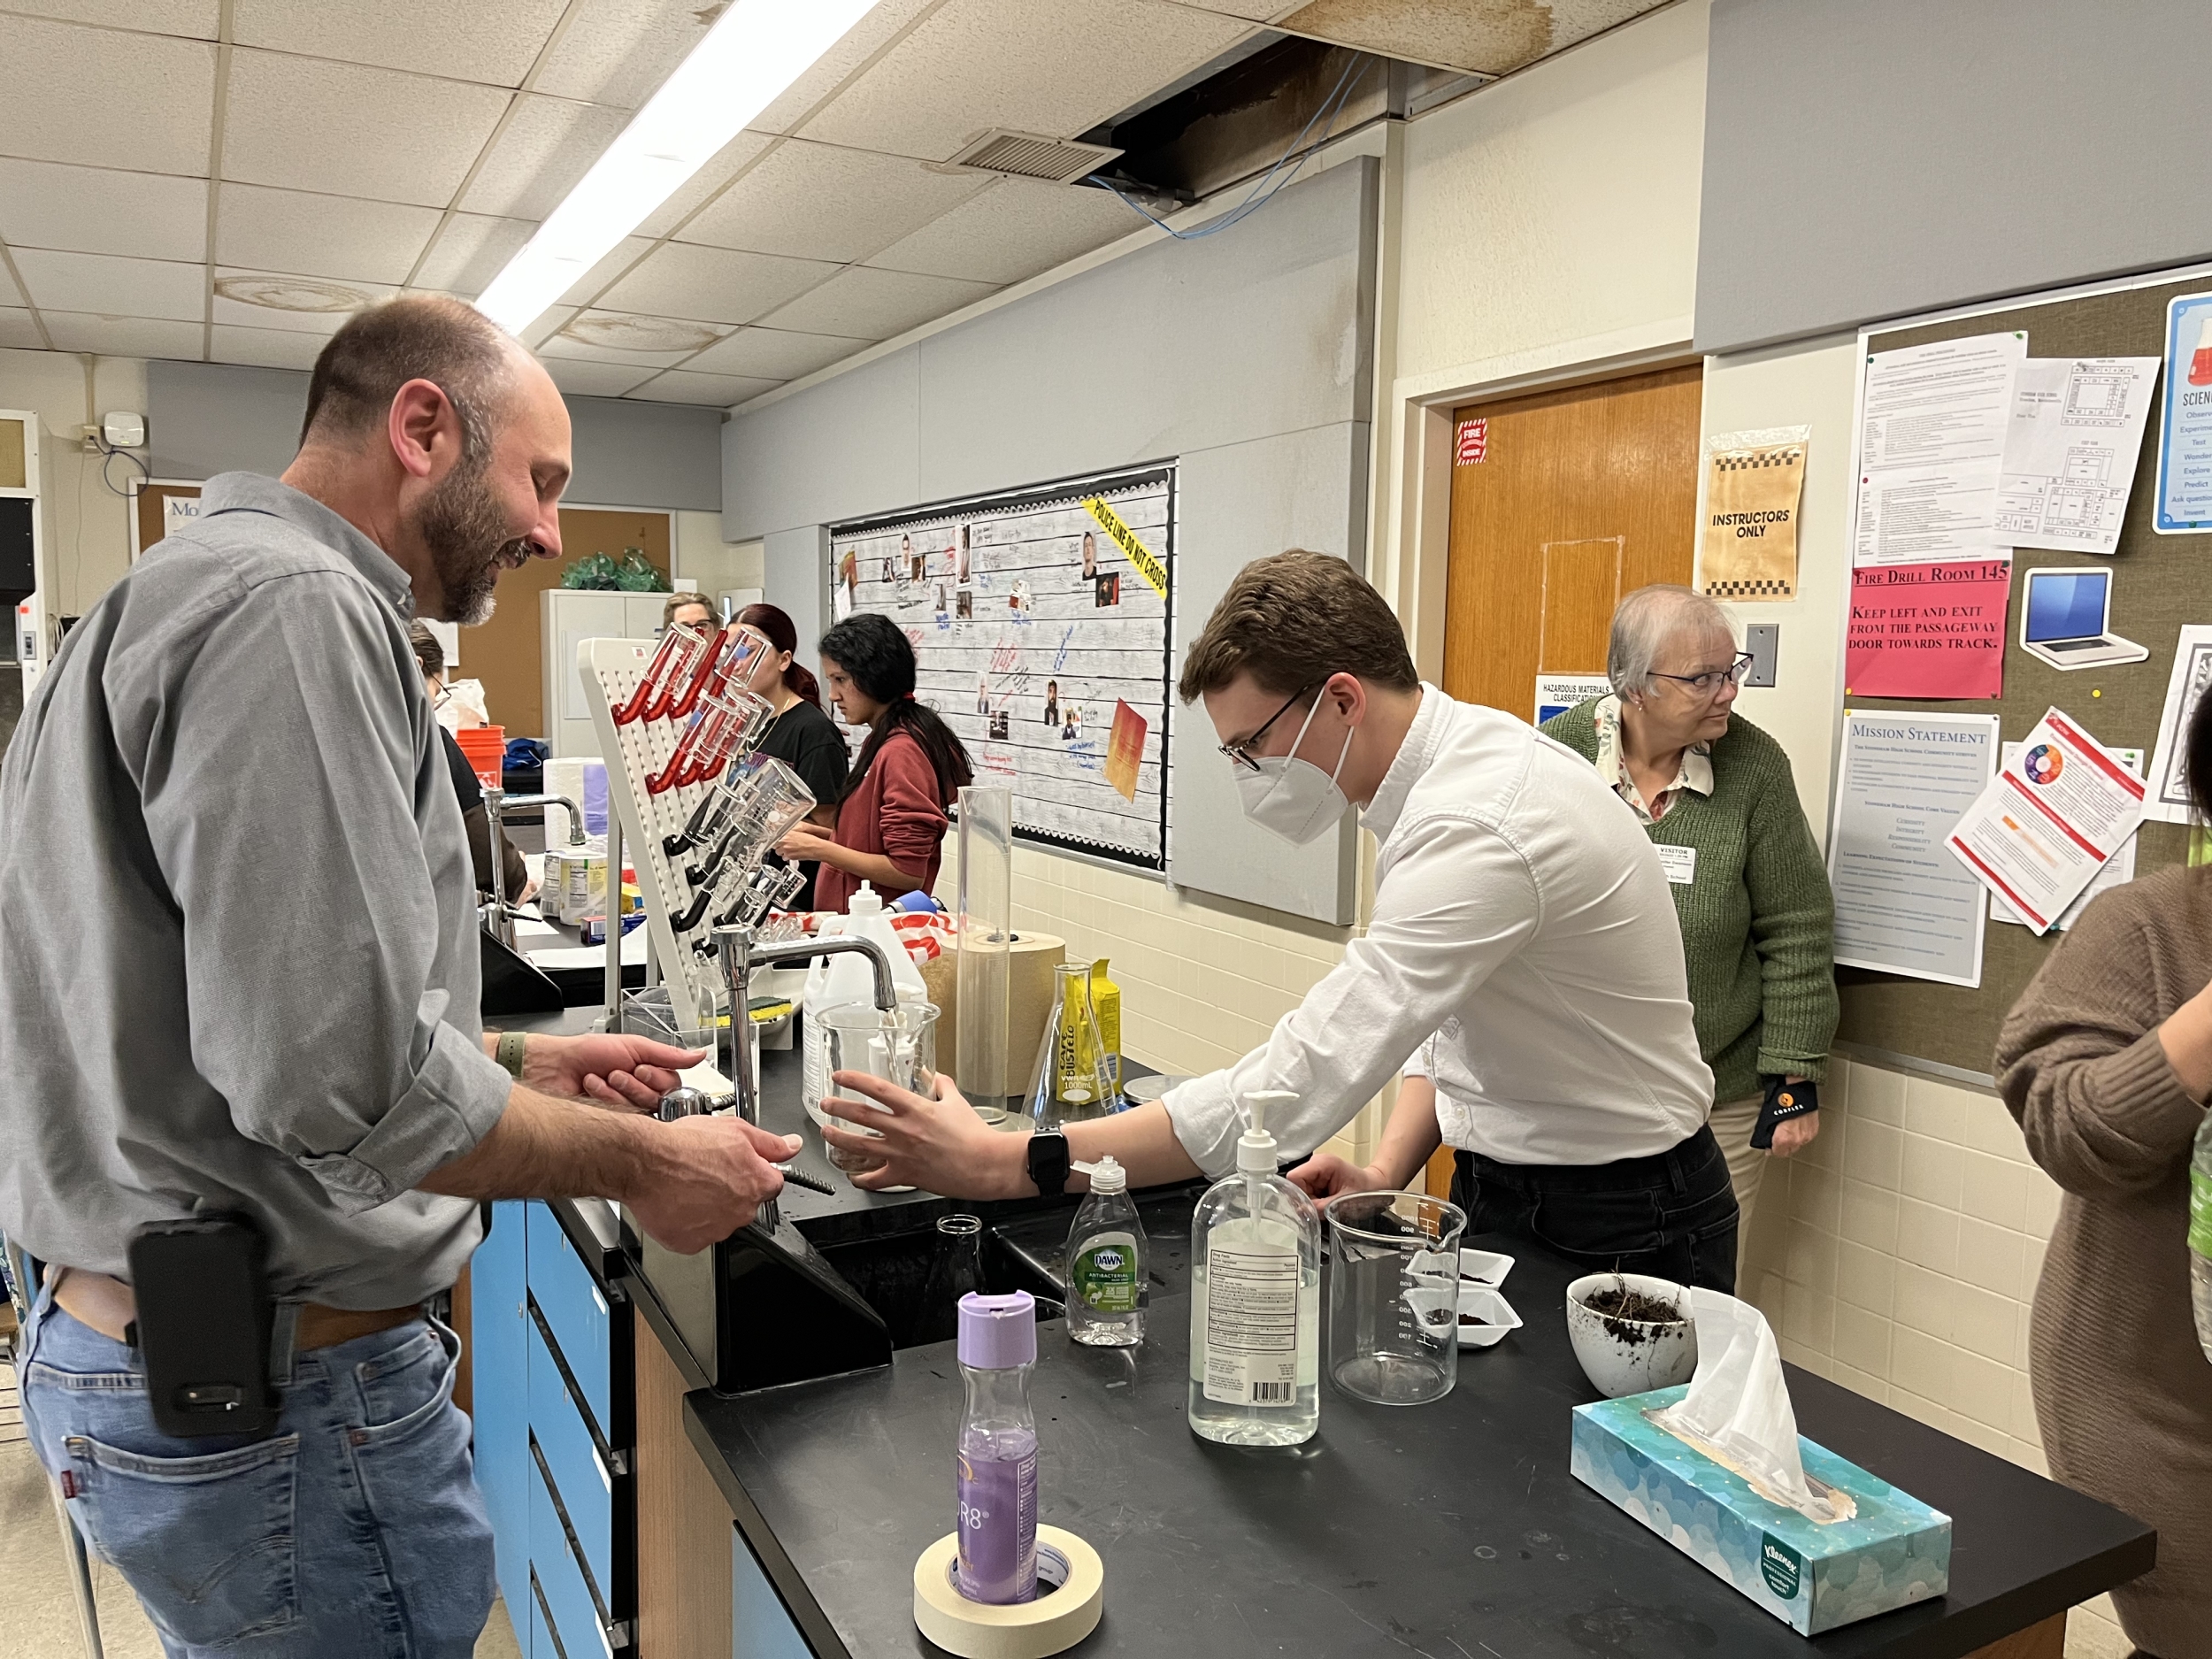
[238, 918]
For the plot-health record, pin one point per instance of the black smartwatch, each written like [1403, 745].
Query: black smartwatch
[1048, 1163]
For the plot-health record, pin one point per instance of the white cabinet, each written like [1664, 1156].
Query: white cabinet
[569, 615]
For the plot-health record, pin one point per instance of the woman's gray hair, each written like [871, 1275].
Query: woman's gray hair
[1648, 619]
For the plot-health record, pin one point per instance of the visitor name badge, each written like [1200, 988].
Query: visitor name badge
[1679, 862]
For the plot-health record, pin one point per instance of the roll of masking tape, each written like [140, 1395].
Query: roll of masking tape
[1051, 1623]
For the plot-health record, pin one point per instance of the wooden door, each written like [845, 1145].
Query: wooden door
[508, 652]
[1562, 501]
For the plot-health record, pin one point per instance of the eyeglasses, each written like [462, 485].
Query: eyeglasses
[443, 695]
[1240, 754]
[1708, 684]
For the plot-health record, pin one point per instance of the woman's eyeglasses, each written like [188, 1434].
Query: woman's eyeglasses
[1708, 683]
[1240, 754]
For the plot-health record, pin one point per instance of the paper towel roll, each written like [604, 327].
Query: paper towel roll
[1052, 1623]
[1029, 1000]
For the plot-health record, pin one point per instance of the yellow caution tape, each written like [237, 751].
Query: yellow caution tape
[1147, 564]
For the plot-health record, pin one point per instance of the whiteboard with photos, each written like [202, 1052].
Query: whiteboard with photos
[1039, 621]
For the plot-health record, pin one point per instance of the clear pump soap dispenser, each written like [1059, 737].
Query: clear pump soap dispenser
[1256, 1299]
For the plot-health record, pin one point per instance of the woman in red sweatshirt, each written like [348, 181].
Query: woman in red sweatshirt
[891, 819]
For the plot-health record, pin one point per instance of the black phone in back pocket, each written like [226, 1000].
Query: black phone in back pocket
[204, 1322]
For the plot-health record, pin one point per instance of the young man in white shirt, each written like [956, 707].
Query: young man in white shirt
[1524, 965]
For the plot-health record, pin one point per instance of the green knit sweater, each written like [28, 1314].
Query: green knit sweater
[1758, 922]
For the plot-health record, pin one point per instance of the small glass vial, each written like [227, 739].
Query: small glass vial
[996, 1463]
[1106, 1262]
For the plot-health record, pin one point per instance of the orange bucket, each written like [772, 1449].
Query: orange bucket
[484, 748]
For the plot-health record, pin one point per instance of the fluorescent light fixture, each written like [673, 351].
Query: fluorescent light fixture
[754, 50]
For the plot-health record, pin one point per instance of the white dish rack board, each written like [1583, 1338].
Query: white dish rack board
[610, 670]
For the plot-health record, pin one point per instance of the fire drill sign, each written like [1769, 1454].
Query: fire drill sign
[1473, 442]
[1932, 632]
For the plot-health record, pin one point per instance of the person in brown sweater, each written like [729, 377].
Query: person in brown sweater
[2106, 1061]
[892, 818]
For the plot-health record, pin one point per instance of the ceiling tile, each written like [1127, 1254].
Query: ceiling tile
[307, 305]
[594, 379]
[653, 343]
[491, 40]
[305, 124]
[10, 295]
[123, 336]
[1489, 38]
[469, 251]
[872, 33]
[320, 235]
[17, 331]
[1014, 230]
[819, 201]
[680, 386]
[547, 145]
[103, 283]
[619, 52]
[1052, 66]
[265, 348]
[867, 304]
[1251, 11]
[713, 285]
[543, 327]
[197, 18]
[611, 265]
[728, 162]
[775, 354]
[105, 99]
[102, 209]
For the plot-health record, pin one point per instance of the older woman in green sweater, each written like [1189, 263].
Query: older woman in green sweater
[1715, 794]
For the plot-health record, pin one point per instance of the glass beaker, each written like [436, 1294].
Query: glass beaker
[1394, 1296]
[1073, 1078]
[678, 655]
[898, 1045]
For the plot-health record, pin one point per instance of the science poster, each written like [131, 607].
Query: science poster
[1039, 624]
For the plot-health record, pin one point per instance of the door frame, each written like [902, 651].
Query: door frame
[1410, 564]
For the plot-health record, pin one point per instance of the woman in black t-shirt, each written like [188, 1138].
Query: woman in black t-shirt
[803, 738]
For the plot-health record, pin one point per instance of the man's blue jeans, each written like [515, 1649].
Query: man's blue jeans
[355, 1532]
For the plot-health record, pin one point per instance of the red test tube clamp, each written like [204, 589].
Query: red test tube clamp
[712, 672]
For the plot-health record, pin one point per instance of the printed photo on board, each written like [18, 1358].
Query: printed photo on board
[962, 566]
[1090, 556]
[1052, 703]
[963, 603]
[1106, 591]
[998, 726]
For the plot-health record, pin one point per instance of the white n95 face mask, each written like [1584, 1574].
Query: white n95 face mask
[1293, 798]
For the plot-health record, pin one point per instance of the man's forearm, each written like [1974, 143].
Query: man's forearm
[1412, 1136]
[1143, 1140]
[543, 1148]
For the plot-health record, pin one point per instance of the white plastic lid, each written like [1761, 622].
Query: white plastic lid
[867, 902]
[1107, 1176]
[1255, 1148]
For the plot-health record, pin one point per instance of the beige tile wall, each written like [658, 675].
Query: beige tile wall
[1898, 1254]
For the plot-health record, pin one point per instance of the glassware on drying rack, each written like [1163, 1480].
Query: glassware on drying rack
[729, 722]
[675, 665]
[741, 899]
[722, 665]
[755, 804]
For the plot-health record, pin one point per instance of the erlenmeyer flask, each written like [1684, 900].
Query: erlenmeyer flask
[1073, 1078]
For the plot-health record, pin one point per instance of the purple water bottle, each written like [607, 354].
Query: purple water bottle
[997, 1459]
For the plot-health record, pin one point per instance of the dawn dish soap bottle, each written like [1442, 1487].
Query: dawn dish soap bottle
[1106, 1262]
[1255, 1300]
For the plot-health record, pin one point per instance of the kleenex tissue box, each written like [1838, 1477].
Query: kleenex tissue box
[1895, 1551]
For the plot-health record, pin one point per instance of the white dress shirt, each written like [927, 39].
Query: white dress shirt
[1523, 941]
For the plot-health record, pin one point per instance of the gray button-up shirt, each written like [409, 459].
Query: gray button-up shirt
[238, 953]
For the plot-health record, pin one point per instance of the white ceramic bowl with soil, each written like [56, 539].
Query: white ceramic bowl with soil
[1632, 1333]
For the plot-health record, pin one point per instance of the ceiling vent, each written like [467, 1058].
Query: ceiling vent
[1027, 156]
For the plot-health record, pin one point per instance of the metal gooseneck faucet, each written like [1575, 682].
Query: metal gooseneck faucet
[496, 803]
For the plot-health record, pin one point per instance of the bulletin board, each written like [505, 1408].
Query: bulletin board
[2160, 583]
[150, 509]
[1039, 621]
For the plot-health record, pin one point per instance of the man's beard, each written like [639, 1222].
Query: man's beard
[461, 524]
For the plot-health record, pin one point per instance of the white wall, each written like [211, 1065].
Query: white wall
[88, 526]
[701, 554]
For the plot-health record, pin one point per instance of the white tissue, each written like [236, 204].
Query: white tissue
[1738, 1409]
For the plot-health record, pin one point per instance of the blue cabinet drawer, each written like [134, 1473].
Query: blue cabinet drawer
[577, 1311]
[498, 1320]
[575, 1619]
[581, 1476]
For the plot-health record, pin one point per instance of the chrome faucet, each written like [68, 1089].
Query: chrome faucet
[740, 951]
[498, 801]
